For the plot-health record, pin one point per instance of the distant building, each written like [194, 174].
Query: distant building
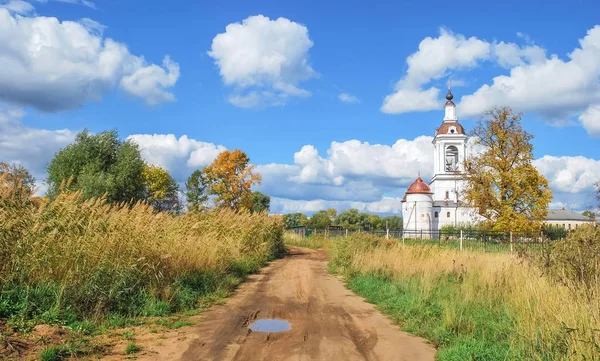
[566, 219]
[428, 207]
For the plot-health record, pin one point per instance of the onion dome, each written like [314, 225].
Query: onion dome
[419, 187]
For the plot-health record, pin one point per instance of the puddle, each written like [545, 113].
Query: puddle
[270, 325]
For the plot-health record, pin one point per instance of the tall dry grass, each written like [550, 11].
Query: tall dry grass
[549, 320]
[87, 258]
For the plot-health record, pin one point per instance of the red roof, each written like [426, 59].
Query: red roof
[445, 128]
[419, 187]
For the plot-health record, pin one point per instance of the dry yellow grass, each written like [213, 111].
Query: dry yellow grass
[549, 317]
[98, 256]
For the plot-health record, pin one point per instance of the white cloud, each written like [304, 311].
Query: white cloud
[17, 6]
[590, 119]
[30, 147]
[150, 82]
[178, 155]
[554, 88]
[52, 65]
[432, 61]
[347, 98]
[264, 60]
[569, 174]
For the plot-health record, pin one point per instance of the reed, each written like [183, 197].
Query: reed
[473, 305]
[72, 258]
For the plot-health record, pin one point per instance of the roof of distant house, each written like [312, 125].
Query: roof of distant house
[566, 215]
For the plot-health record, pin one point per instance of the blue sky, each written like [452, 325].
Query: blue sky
[270, 84]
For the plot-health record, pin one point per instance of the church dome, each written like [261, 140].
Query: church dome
[450, 128]
[419, 187]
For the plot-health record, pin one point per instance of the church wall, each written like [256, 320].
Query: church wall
[417, 212]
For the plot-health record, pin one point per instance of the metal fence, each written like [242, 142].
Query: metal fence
[485, 241]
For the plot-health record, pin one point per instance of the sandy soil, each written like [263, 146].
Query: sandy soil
[328, 321]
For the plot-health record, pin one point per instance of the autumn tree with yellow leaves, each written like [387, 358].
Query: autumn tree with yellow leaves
[230, 178]
[501, 180]
[162, 191]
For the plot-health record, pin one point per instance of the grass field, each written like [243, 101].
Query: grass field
[83, 264]
[471, 305]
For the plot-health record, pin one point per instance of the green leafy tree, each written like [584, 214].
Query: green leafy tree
[196, 191]
[319, 220]
[99, 164]
[295, 219]
[332, 213]
[162, 191]
[501, 181]
[353, 219]
[393, 222]
[589, 214]
[260, 202]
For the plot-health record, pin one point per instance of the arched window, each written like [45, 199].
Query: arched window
[447, 194]
[451, 158]
[435, 214]
[448, 214]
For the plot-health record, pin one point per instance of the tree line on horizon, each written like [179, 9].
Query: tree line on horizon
[501, 181]
[351, 219]
[102, 165]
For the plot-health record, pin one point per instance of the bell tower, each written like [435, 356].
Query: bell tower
[450, 148]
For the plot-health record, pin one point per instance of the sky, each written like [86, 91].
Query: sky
[334, 102]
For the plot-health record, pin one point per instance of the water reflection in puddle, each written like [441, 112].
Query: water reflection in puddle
[270, 325]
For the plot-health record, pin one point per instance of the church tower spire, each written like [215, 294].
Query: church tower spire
[450, 107]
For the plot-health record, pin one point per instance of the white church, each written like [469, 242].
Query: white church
[428, 207]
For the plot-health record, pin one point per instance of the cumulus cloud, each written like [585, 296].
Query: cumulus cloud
[264, 60]
[347, 98]
[150, 81]
[432, 61]
[556, 89]
[178, 155]
[30, 147]
[572, 179]
[590, 119]
[52, 65]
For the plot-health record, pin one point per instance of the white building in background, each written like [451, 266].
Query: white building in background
[429, 207]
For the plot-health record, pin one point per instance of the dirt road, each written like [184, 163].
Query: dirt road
[328, 322]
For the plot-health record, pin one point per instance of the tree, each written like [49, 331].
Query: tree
[260, 202]
[319, 220]
[589, 214]
[353, 219]
[196, 191]
[501, 181]
[393, 222]
[99, 164]
[162, 191]
[295, 219]
[230, 178]
[332, 212]
[16, 177]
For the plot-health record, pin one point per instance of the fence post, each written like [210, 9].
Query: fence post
[511, 242]
[461, 239]
[346, 232]
[387, 233]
